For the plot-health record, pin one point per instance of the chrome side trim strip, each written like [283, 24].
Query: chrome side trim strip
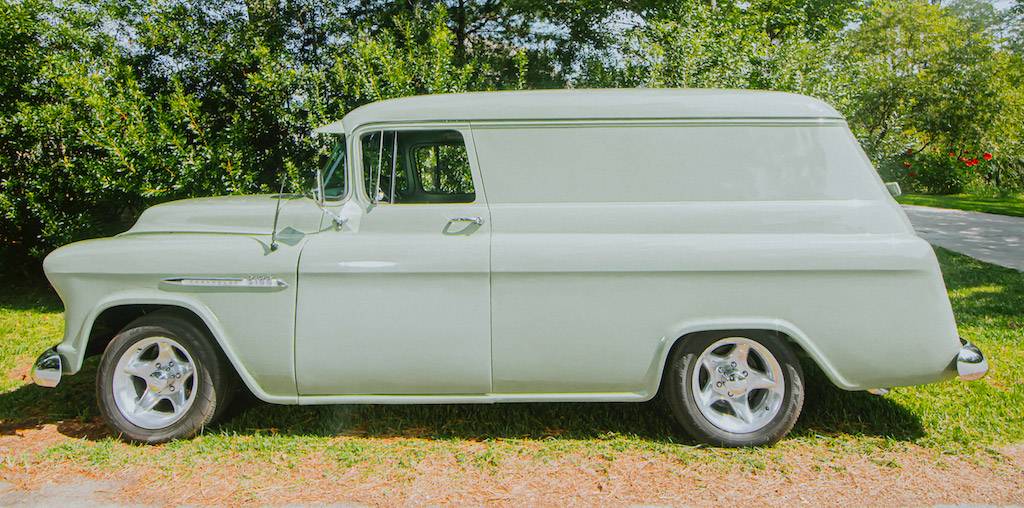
[485, 398]
[252, 283]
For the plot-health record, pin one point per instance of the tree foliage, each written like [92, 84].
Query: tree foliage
[109, 106]
[112, 106]
[926, 81]
[721, 47]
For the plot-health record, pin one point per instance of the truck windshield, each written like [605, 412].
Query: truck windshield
[334, 173]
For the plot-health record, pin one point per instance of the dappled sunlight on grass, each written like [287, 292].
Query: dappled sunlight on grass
[831, 412]
[988, 302]
[30, 322]
[1013, 206]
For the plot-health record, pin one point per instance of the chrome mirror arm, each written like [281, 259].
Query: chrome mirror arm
[338, 220]
[277, 213]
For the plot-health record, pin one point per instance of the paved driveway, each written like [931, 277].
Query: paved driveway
[997, 239]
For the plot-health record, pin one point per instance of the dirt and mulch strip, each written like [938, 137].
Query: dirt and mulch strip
[422, 472]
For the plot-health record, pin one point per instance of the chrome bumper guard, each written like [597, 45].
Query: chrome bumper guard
[971, 364]
[46, 371]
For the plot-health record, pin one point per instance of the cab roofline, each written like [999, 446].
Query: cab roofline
[606, 104]
[335, 127]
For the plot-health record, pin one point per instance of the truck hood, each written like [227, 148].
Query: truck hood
[227, 214]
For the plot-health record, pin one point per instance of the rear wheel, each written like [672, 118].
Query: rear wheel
[161, 378]
[735, 389]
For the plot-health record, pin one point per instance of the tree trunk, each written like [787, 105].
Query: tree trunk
[460, 32]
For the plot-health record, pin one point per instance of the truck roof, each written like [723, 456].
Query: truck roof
[606, 104]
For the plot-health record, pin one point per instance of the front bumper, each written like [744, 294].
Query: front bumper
[971, 364]
[46, 371]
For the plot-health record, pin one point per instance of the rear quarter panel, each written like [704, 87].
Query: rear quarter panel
[611, 240]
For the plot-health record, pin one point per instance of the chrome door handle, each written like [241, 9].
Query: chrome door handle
[475, 220]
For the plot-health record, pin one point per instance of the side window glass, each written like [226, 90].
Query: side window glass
[444, 169]
[383, 167]
[334, 173]
[416, 167]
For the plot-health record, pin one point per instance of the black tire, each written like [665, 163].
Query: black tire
[707, 389]
[176, 370]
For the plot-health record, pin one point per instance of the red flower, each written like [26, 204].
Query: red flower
[951, 154]
[967, 151]
[974, 162]
[987, 156]
[906, 164]
[912, 175]
[909, 151]
[935, 148]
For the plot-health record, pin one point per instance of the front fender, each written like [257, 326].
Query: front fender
[73, 348]
[255, 328]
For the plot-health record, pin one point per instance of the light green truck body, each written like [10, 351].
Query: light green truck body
[598, 230]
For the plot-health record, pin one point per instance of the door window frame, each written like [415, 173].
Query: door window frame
[355, 159]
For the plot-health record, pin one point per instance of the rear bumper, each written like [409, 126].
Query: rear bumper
[970, 362]
[46, 371]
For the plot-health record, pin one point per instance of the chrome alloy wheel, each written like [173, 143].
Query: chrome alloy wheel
[154, 383]
[738, 385]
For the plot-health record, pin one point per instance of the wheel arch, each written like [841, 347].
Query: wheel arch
[112, 316]
[114, 319]
[802, 345]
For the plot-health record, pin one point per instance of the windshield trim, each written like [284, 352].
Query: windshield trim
[339, 154]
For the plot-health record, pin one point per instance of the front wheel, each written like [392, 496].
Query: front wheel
[160, 379]
[735, 389]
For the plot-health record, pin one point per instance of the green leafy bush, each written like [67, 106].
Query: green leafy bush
[110, 106]
[104, 119]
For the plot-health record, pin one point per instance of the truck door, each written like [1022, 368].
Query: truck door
[397, 302]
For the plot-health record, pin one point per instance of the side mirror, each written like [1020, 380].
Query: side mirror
[894, 188]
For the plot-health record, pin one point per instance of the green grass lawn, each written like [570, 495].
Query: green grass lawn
[950, 418]
[1003, 206]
